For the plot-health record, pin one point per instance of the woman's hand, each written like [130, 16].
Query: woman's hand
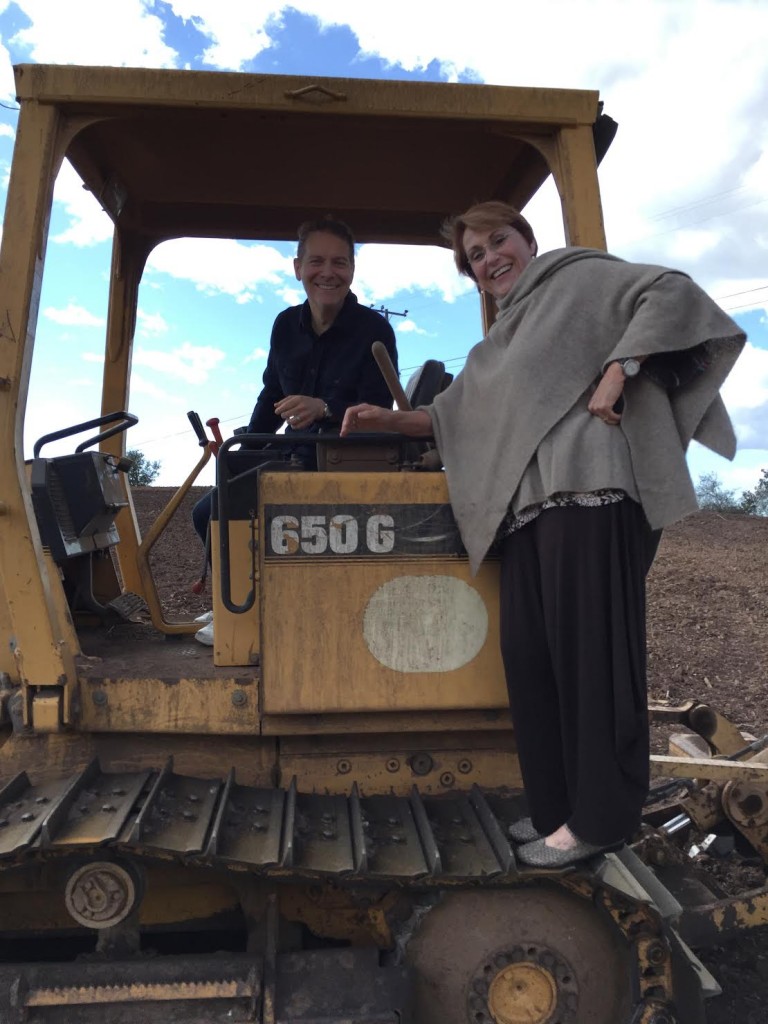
[300, 411]
[379, 420]
[367, 417]
[607, 393]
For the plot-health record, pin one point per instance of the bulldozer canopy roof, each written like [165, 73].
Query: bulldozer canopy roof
[175, 153]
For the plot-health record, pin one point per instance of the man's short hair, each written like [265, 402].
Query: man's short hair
[331, 226]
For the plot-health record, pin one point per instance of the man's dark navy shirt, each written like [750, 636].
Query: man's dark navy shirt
[336, 366]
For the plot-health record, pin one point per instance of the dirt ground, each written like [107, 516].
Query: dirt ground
[707, 639]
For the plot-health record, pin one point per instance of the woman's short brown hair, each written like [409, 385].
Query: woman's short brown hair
[483, 217]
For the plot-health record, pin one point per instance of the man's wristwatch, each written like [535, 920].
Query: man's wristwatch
[630, 367]
[326, 412]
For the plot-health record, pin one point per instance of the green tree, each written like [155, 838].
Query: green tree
[712, 495]
[143, 472]
[755, 503]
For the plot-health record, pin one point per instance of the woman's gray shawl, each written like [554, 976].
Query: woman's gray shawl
[571, 312]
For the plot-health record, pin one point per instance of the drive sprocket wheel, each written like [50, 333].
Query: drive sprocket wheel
[100, 894]
[537, 955]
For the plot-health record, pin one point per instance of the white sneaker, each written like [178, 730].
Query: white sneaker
[205, 617]
[205, 635]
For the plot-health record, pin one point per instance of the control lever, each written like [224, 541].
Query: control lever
[218, 440]
[197, 426]
[388, 372]
[430, 459]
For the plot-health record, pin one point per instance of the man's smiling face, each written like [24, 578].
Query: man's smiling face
[325, 269]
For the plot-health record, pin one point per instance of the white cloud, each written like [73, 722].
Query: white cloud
[221, 266]
[411, 327]
[7, 131]
[237, 31]
[191, 363]
[92, 357]
[7, 84]
[73, 316]
[687, 246]
[740, 475]
[745, 394]
[258, 355]
[747, 384]
[89, 224]
[291, 296]
[62, 406]
[381, 271]
[141, 386]
[93, 32]
[756, 175]
[150, 323]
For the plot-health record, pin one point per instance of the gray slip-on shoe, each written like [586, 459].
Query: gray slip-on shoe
[523, 831]
[538, 855]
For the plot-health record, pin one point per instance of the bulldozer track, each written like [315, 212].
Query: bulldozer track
[455, 841]
[272, 832]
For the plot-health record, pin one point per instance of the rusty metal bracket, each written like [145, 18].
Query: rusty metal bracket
[722, 735]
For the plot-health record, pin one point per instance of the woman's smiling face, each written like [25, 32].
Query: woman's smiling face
[498, 257]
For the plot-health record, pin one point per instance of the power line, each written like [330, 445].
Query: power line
[701, 220]
[696, 203]
[733, 309]
[446, 362]
[747, 291]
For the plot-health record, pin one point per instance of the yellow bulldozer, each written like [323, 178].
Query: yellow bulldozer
[307, 824]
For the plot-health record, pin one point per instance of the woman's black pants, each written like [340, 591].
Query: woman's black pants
[573, 644]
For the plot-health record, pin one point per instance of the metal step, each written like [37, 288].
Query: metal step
[128, 607]
[219, 987]
[328, 986]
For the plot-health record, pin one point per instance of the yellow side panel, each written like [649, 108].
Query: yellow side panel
[7, 663]
[352, 619]
[236, 637]
[178, 705]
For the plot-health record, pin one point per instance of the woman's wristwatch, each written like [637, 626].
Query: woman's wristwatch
[630, 367]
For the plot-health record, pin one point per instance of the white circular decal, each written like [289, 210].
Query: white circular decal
[425, 624]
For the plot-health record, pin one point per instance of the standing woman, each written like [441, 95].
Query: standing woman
[564, 439]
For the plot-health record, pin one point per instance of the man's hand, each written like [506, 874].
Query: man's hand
[607, 393]
[300, 411]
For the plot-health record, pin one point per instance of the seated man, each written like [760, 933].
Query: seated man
[320, 360]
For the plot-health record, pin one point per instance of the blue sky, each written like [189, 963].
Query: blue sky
[685, 185]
